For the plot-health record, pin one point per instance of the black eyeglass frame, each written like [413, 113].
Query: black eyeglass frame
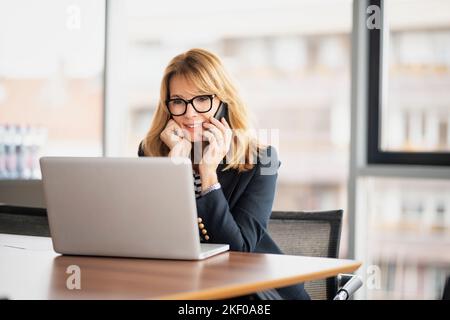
[191, 101]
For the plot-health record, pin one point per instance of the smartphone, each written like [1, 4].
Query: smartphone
[222, 112]
[197, 147]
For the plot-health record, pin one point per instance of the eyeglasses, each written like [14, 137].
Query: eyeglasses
[201, 104]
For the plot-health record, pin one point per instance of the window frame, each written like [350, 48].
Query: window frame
[374, 95]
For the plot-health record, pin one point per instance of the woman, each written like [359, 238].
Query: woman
[234, 176]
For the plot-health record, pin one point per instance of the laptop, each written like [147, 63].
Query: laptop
[123, 207]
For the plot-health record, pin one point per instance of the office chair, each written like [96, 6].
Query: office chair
[446, 293]
[315, 234]
[24, 221]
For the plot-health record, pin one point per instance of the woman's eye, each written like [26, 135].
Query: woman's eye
[202, 99]
[177, 101]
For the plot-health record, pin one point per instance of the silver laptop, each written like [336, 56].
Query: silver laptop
[125, 207]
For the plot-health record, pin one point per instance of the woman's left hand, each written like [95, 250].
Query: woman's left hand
[219, 135]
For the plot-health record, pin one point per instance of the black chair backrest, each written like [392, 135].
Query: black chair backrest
[446, 294]
[314, 234]
[24, 221]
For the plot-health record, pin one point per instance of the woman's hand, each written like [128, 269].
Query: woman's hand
[219, 135]
[174, 137]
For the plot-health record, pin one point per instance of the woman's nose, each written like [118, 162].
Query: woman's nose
[190, 111]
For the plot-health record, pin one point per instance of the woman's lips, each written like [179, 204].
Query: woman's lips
[192, 128]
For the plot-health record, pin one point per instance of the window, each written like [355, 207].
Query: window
[408, 236]
[402, 216]
[409, 76]
[51, 82]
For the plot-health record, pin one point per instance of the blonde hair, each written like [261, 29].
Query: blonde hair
[206, 72]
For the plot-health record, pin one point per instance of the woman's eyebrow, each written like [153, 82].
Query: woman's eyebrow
[182, 97]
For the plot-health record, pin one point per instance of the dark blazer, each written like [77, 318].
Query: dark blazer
[238, 213]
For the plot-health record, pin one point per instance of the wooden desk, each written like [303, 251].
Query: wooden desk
[30, 269]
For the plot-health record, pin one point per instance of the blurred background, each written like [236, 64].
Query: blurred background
[291, 61]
